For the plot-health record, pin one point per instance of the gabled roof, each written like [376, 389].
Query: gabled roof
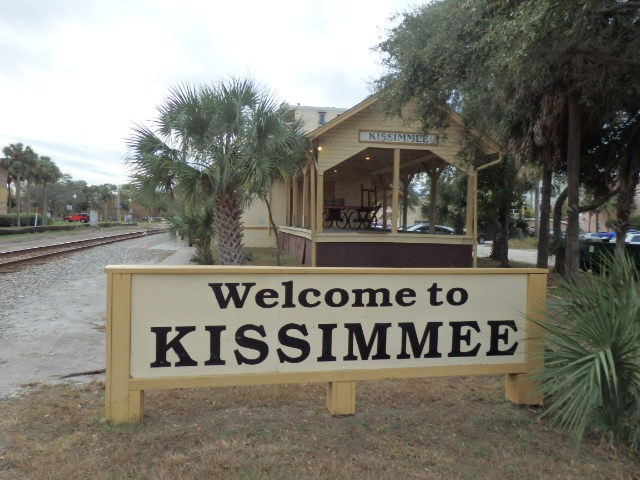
[375, 98]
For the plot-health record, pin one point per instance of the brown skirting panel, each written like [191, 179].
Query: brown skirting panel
[298, 247]
[405, 255]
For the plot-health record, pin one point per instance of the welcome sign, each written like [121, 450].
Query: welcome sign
[201, 326]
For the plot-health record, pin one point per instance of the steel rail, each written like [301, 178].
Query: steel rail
[13, 258]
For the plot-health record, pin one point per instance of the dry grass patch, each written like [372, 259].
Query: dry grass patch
[440, 428]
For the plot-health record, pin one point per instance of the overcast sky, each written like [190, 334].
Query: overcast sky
[76, 75]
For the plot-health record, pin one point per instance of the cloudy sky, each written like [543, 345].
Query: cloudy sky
[76, 75]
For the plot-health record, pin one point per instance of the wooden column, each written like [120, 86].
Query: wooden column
[319, 202]
[294, 207]
[521, 388]
[341, 398]
[122, 405]
[469, 218]
[395, 191]
[312, 203]
[305, 197]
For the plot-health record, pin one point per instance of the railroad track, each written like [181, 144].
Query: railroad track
[9, 260]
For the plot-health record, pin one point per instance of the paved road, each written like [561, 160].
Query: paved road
[529, 256]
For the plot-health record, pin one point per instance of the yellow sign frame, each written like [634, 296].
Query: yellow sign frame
[125, 394]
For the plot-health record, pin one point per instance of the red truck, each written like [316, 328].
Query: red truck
[77, 217]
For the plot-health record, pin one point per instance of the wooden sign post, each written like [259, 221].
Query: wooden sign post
[179, 327]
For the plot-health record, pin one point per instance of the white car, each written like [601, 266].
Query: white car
[632, 238]
[424, 228]
[591, 237]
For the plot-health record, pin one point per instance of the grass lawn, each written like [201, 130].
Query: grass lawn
[433, 428]
[437, 428]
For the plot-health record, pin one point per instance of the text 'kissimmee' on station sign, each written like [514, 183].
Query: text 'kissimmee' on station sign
[220, 326]
[397, 137]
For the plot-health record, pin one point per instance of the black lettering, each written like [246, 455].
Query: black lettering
[457, 337]
[405, 293]
[288, 341]
[327, 342]
[252, 343]
[288, 295]
[378, 333]
[372, 296]
[233, 295]
[266, 294]
[343, 294]
[496, 336]
[162, 347]
[417, 347]
[215, 332]
[302, 297]
[451, 296]
[433, 295]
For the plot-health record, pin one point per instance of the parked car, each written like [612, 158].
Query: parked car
[632, 238]
[591, 237]
[606, 235]
[424, 228]
[77, 217]
[482, 238]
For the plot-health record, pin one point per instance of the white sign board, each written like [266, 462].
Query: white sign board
[397, 137]
[221, 324]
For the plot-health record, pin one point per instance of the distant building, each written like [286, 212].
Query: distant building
[314, 117]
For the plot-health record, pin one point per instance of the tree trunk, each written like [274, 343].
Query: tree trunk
[274, 227]
[574, 145]
[28, 196]
[558, 242]
[227, 221]
[18, 200]
[8, 196]
[545, 211]
[536, 207]
[44, 204]
[434, 192]
[628, 182]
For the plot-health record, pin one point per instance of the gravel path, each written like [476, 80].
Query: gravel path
[52, 315]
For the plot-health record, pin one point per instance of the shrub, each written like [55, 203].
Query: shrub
[197, 228]
[26, 220]
[591, 378]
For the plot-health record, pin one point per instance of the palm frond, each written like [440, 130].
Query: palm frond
[591, 376]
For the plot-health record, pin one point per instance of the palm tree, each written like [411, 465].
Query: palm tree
[225, 141]
[46, 172]
[18, 161]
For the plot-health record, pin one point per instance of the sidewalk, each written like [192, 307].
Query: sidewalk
[182, 252]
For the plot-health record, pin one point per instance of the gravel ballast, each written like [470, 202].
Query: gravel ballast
[52, 315]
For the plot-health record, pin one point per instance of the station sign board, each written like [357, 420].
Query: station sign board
[201, 326]
[375, 136]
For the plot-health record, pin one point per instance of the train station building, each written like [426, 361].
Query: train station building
[344, 208]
